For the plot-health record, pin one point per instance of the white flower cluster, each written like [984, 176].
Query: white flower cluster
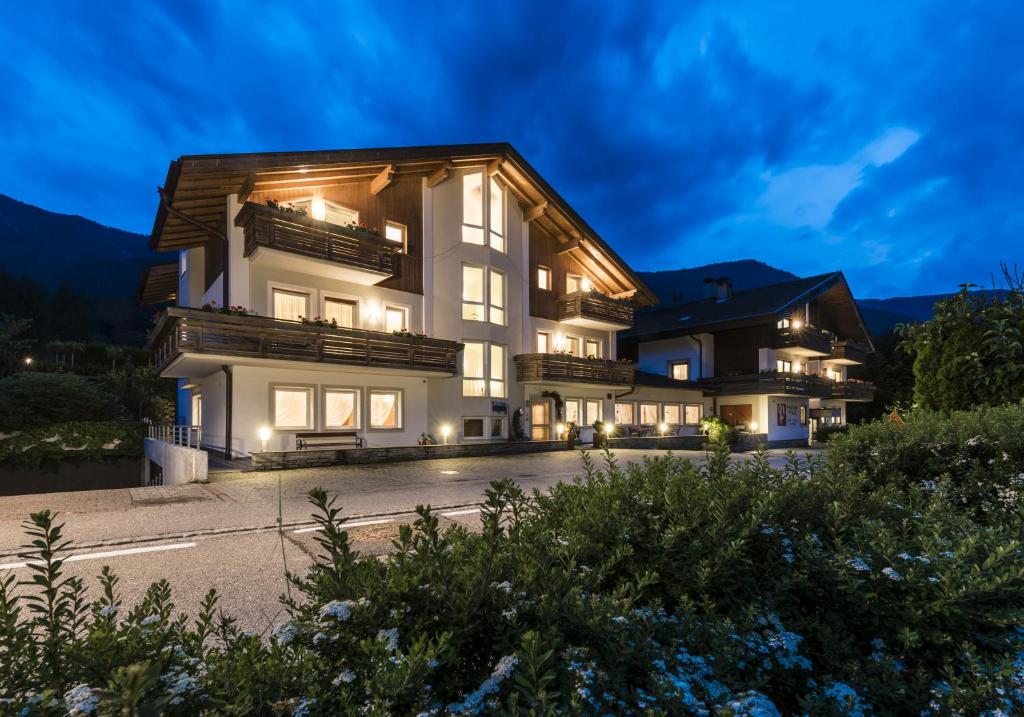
[390, 637]
[473, 703]
[80, 700]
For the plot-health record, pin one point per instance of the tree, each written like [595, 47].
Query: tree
[13, 347]
[891, 369]
[971, 352]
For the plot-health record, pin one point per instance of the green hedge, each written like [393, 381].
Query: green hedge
[75, 440]
[34, 400]
[657, 589]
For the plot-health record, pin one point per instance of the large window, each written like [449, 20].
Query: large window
[543, 342]
[483, 369]
[692, 414]
[624, 414]
[341, 408]
[342, 311]
[292, 407]
[385, 409]
[290, 305]
[592, 348]
[680, 370]
[595, 410]
[783, 366]
[544, 278]
[497, 296]
[472, 293]
[573, 410]
[497, 215]
[396, 318]
[648, 414]
[670, 413]
[395, 233]
[473, 208]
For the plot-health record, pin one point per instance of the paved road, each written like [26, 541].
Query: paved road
[222, 534]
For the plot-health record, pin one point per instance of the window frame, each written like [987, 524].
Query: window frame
[358, 403]
[337, 299]
[679, 413]
[482, 305]
[491, 380]
[580, 405]
[310, 391]
[568, 278]
[400, 308]
[586, 410]
[483, 377]
[489, 294]
[700, 413]
[482, 227]
[545, 271]
[781, 365]
[547, 341]
[400, 393]
[195, 399]
[657, 412]
[403, 228]
[502, 235]
[672, 367]
[632, 413]
[295, 291]
[596, 342]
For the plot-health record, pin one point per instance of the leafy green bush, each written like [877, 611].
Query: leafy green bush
[974, 459]
[718, 430]
[29, 400]
[823, 431]
[74, 440]
[660, 589]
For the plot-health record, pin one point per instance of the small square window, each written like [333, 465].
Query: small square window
[385, 409]
[292, 407]
[341, 408]
[394, 233]
[473, 428]
[670, 413]
[680, 370]
[648, 414]
[396, 318]
[544, 278]
[573, 283]
[692, 414]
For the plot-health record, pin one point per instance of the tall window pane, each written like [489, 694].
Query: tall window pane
[497, 215]
[497, 297]
[341, 409]
[670, 411]
[572, 410]
[595, 410]
[395, 319]
[341, 311]
[648, 413]
[290, 305]
[473, 369]
[473, 208]
[624, 414]
[473, 293]
[497, 371]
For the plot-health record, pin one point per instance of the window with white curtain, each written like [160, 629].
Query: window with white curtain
[385, 409]
[341, 408]
[292, 407]
[624, 414]
[543, 342]
[670, 413]
[692, 414]
[396, 318]
[473, 208]
[497, 371]
[497, 215]
[290, 305]
[572, 410]
[472, 293]
[497, 297]
[592, 348]
[648, 413]
[473, 369]
[343, 311]
[595, 410]
[573, 283]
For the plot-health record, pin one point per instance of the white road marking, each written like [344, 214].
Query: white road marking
[449, 473]
[357, 524]
[468, 511]
[104, 554]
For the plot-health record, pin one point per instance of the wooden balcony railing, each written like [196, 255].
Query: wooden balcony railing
[808, 338]
[297, 234]
[848, 350]
[854, 390]
[193, 331]
[561, 367]
[593, 307]
[771, 382]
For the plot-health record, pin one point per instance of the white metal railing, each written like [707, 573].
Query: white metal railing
[188, 436]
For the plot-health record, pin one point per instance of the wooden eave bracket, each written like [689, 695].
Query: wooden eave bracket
[535, 212]
[381, 182]
[247, 186]
[439, 175]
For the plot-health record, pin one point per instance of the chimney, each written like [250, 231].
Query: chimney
[719, 289]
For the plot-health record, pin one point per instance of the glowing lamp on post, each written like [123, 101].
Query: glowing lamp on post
[559, 429]
[753, 426]
[446, 430]
[608, 428]
[662, 428]
[264, 434]
[27, 360]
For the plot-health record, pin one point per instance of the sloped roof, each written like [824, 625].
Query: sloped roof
[753, 306]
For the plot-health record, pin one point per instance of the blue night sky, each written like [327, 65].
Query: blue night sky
[885, 139]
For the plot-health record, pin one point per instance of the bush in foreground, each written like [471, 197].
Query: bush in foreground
[660, 589]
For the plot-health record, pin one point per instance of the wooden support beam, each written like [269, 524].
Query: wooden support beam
[382, 180]
[494, 167]
[439, 175]
[535, 212]
[247, 186]
[569, 245]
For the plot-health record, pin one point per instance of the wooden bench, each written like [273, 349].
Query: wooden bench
[328, 439]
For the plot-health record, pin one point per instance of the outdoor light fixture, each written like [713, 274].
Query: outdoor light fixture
[753, 425]
[446, 430]
[796, 323]
[662, 428]
[28, 360]
[585, 284]
[559, 429]
[264, 434]
[318, 208]
[608, 428]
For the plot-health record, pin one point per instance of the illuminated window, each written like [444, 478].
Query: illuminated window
[472, 293]
[290, 305]
[573, 283]
[680, 370]
[624, 414]
[385, 409]
[543, 342]
[473, 208]
[341, 408]
[692, 414]
[473, 369]
[497, 296]
[292, 407]
[497, 371]
[670, 413]
[497, 215]
[573, 411]
[395, 234]
[648, 413]
[197, 410]
[595, 410]
[544, 278]
[592, 348]
[343, 311]
[782, 323]
[783, 366]
[573, 345]
[396, 318]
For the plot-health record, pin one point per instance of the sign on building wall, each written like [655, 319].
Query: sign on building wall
[787, 415]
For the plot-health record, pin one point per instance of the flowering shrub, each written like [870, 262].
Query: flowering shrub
[973, 459]
[657, 589]
[234, 310]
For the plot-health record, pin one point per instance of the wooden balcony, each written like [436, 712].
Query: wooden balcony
[595, 311]
[854, 390]
[571, 369]
[848, 352]
[195, 334]
[357, 256]
[773, 383]
[805, 341]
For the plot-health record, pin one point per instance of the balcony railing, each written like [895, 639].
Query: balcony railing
[193, 331]
[272, 228]
[849, 351]
[807, 338]
[561, 367]
[854, 390]
[590, 308]
[790, 384]
[187, 436]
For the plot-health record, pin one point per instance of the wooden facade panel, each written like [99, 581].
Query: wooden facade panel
[736, 349]
[544, 252]
[401, 202]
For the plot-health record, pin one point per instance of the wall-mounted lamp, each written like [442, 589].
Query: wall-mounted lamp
[318, 208]
[446, 430]
[753, 426]
[585, 284]
[264, 434]
[796, 324]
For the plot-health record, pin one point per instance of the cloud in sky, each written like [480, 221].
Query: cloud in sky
[881, 140]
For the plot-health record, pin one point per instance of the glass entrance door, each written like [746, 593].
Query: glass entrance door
[540, 421]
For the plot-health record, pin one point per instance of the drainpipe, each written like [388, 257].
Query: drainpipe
[228, 400]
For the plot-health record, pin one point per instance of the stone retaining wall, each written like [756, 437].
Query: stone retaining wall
[280, 460]
[663, 443]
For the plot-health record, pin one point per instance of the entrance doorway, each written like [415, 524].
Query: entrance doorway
[540, 421]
